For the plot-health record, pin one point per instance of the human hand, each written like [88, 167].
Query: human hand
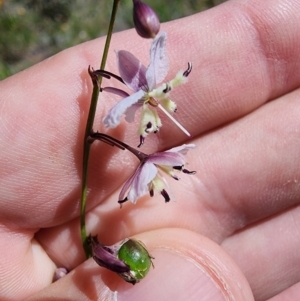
[242, 107]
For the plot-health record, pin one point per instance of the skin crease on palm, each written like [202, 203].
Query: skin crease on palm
[235, 222]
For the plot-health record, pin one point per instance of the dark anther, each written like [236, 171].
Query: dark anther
[167, 88]
[148, 127]
[165, 195]
[142, 139]
[151, 192]
[188, 70]
[188, 172]
[121, 202]
[175, 177]
[178, 167]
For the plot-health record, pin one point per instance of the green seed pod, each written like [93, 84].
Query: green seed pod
[136, 256]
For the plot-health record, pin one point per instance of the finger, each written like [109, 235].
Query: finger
[190, 266]
[24, 266]
[247, 170]
[242, 57]
[267, 253]
[291, 293]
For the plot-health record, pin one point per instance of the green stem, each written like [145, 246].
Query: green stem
[88, 130]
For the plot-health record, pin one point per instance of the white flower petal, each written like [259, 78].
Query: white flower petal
[159, 63]
[139, 187]
[183, 149]
[128, 183]
[112, 119]
[167, 159]
[172, 157]
[130, 112]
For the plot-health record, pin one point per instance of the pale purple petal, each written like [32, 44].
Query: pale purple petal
[159, 63]
[113, 117]
[116, 91]
[171, 157]
[167, 158]
[130, 112]
[128, 183]
[143, 177]
[132, 71]
[183, 149]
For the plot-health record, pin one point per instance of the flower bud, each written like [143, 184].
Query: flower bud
[145, 20]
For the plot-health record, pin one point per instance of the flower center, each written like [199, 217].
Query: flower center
[153, 102]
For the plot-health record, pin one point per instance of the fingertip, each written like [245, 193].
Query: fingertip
[187, 267]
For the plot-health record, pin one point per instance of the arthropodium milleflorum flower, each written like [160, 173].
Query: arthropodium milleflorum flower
[143, 82]
[129, 259]
[148, 177]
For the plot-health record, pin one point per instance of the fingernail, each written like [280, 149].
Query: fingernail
[175, 277]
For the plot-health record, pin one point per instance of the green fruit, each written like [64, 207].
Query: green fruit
[135, 255]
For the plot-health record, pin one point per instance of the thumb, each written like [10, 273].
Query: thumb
[188, 266]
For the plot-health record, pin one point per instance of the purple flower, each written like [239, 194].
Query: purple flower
[146, 96]
[148, 175]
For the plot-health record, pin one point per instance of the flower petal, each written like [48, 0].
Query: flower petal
[183, 149]
[171, 157]
[128, 183]
[116, 91]
[113, 117]
[132, 71]
[145, 174]
[106, 257]
[167, 158]
[159, 63]
[130, 112]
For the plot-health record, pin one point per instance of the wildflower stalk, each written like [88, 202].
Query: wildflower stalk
[88, 130]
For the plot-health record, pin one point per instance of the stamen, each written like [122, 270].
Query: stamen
[122, 201]
[178, 167]
[148, 127]
[142, 140]
[167, 88]
[188, 70]
[151, 192]
[165, 195]
[174, 120]
[188, 172]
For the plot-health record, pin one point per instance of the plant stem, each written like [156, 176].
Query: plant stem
[88, 130]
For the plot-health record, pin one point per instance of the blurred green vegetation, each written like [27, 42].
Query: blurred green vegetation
[32, 30]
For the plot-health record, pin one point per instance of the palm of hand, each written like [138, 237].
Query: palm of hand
[244, 196]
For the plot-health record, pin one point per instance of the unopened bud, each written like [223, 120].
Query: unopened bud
[145, 20]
